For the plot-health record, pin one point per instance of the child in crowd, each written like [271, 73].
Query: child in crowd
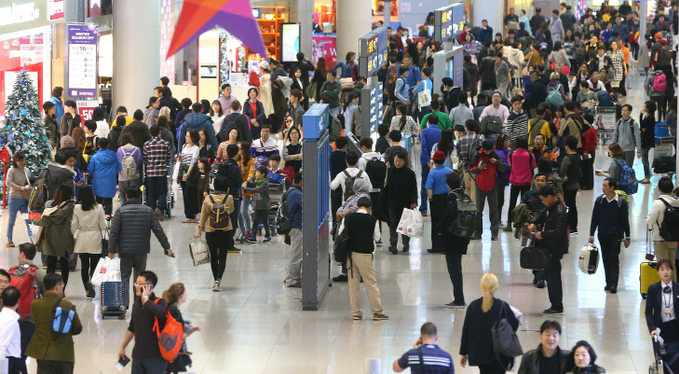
[259, 186]
[275, 175]
[203, 179]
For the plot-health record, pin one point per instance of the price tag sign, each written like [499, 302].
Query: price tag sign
[82, 61]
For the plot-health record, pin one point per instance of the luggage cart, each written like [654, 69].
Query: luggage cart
[662, 362]
[276, 191]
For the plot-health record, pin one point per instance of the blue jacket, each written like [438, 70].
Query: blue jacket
[59, 107]
[401, 90]
[198, 121]
[294, 201]
[346, 68]
[429, 136]
[414, 76]
[104, 167]
[623, 31]
[485, 34]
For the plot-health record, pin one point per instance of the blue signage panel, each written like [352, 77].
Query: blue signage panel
[448, 21]
[315, 121]
[458, 69]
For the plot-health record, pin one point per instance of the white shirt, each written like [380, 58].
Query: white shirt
[102, 129]
[341, 178]
[217, 123]
[377, 235]
[363, 161]
[10, 335]
[667, 302]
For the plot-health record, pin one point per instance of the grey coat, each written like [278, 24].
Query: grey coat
[629, 137]
[131, 229]
[261, 190]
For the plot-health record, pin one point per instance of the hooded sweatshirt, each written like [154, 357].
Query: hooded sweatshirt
[657, 214]
[104, 167]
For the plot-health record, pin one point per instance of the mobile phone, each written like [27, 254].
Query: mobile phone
[122, 363]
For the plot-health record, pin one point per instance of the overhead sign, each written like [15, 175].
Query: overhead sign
[82, 61]
[18, 15]
[373, 51]
[448, 22]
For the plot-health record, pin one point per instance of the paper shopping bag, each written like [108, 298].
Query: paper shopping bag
[200, 254]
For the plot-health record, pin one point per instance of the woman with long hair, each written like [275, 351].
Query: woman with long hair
[446, 146]
[247, 171]
[84, 152]
[188, 158]
[297, 83]
[18, 180]
[523, 165]
[476, 346]
[647, 127]
[403, 122]
[205, 147]
[175, 296]
[265, 87]
[88, 227]
[619, 67]
[165, 132]
[319, 77]
[253, 109]
[217, 115]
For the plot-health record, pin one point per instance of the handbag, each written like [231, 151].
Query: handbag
[505, 341]
[410, 223]
[104, 239]
[535, 257]
[200, 254]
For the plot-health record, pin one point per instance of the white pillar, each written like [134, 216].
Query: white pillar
[136, 52]
[643, 9]
[302, 11]
[490, 10]
[354, 20]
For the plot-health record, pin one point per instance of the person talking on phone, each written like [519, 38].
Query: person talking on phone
[130, 237]
[146, 356]
[426, 354]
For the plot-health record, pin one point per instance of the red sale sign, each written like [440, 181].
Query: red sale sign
[324, 46]
[86, 109]
[56, 9]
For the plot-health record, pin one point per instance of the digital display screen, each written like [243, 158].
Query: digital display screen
[290, 41]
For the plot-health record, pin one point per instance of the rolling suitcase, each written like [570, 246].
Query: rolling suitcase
[648, 274]
[113, 300]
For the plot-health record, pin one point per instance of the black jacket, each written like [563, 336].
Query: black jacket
[647, 126]
[487, 69]
[238, 121]
[231, 170]
[56, 175]
[141, 324]
[305, 67]
[139, 131]
[113, 137]
[530, 363]
[654, 307]
[131, 229]
[536, 21]
[68, 123]
[477, 339]
[401, 188]
[338, 162]
[451, 242]
[555, 223]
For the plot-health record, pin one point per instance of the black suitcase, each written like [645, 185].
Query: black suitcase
[113, 300]
[664, 164]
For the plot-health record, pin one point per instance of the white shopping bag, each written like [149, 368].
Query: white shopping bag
[200, 254]
[411, 223]
[108, 270]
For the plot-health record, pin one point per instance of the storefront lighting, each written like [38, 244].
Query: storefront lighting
[18, 13]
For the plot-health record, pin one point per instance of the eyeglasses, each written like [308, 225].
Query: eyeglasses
[142, 284]
[625, 110]
[4, 282]
[288, 121]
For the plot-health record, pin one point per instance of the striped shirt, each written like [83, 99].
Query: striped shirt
[463, 145]
[517, 125]
[156, 157]
[190, 154]
[262, 148]
[436, 360]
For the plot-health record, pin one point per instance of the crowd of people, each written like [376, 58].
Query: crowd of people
[523, 122]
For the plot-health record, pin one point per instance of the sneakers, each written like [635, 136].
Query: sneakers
[215, 287]
[160, 215]
[380, 317]
[393, 249]
[341, 278]
[645, 181]
[295, 285]
[267, 240]
[424, 214]
[9, 245]
[475, 237]
[188, 220]
[233, 250]
[541, 284]
[455, 305]
[552, 311]
[358, 318]
[251, 240]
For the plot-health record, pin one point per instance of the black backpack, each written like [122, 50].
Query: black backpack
[491, 125]
[223, 134]
[670, 222]
[392, 89]
[474, 149]
[349, 184]
[377, 172]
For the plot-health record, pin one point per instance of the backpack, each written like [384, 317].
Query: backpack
[310, 90]
[377, 172]
[336, 129]
[39, 193]
[392, 89]
[670, 222]
[463, 225]
[536, 129]
[219, 217]
[129, 170]
[349, 184]
[554, 97]
[660, 83]
[25, 279]
[491, 125]
[283, 224]
[628, 179]
[604, 98]
[223, 134]
[171, 337]
[474, 149]
[62, 319]
[664, 55]
[261, 161]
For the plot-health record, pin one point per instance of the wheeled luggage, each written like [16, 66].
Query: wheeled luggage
[648, 276]
[113, 300]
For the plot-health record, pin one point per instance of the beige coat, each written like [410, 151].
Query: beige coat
[88, 228]
[205, 221]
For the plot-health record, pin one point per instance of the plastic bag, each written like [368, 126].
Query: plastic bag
[108, 270]
[411, 223]
[200, 254]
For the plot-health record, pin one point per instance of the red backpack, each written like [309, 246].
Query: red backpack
[25, 279]
[171, 337]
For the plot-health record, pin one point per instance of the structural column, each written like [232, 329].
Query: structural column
[491, 11]
[136, 52]
[354, 20]
[302, 11]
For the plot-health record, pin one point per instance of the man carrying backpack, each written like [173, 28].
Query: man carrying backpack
[29, 279]
[156, 158]
[373, 164]
[661, 54]
[611, 217]
[292, 200]
[347, 177]
[628, 135]
[146, 310]
[484, 166]
[466, 146]
[664, 218]
[53, 351]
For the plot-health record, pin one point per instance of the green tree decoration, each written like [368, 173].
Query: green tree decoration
[24, 128]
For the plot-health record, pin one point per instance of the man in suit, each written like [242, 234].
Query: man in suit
[661, 309]
[54, 353]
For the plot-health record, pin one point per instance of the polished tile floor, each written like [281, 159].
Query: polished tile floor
[256, 325]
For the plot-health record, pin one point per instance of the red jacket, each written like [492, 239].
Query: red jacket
[486, 178]
[589, 139]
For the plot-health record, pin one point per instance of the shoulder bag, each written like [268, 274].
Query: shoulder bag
[505, 342]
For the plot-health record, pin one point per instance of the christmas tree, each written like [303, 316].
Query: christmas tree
[24, 128]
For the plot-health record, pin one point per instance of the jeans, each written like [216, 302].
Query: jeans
[124, 186]
[234, 215]
[156, 192]
[423, 191]
[644, 160]
[629, 158]
[454, 262]
[261, 216]
[516, 192]
[17, 205]
[27, 329]
[219, 243]
[554, 284]
[54, 367]
[88, 264]
[610, 252]
[244, 218]
[107, 202]
[129, 261]
[569, 197]
[423, 112]
[481, 197]
[149, 365]
[394, 218]
[438, 206]
[52, 266]
[295, 261]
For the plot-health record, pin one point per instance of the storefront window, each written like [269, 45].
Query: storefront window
[16, 53]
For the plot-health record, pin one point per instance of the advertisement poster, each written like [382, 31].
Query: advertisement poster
[82, 61]
[290, 42]
[324, 46]
[604, 120]
[86, 109]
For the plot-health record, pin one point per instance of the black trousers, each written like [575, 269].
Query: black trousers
[454, 263]
[219, 243]
[587, 171]
[494, 368]
[335, 204]
[437, 206]
[515, 193]
[261, 216]
[569, 198]
[107, 203]
[54, 367]
[610, 255]
[190, 195]
[27, 329]
[89, 263]
[394, 218]
[554, 284]
[500, 197]
[16, 365]
[52, 266]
